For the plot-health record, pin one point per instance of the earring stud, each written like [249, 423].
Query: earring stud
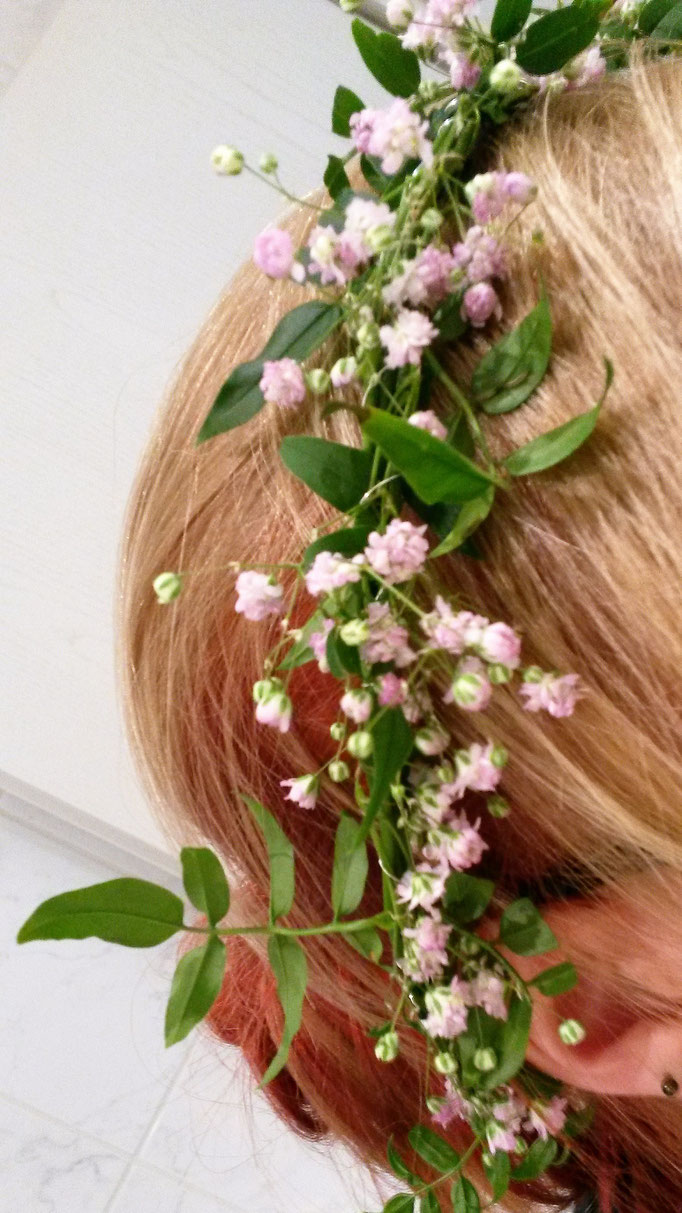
[670, 1086]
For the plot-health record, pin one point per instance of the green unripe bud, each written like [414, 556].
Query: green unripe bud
[379, 237]
[227, 160]
[497, 806]
[167, 587]
[318, 381]
[386, 1048]
[368, 336]
[355, 632]
[428, 90]
[499, 674]
[361, 744]
[337, 730]
[499, 755]
[350, 6]
[338, 771]
[268, 163]
[431, 220]
[266, 687]
[445, 1063]
[485, 1060]
[505, 76]
[572, 1032]
[434, 1103]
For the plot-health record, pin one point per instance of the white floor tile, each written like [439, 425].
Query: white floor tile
[146, 1191]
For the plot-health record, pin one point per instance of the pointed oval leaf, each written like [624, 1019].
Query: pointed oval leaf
[433, 1148]
[335, 176]
[393, 743]
[205, 882]
[509, 18]
[497, 1169]
[669, 27]
[524, 931]
[465, 1197]
[435, 471]
[399, 1167]
[557, 37]
[351, 865]
[553, 447]
[512, 369]
[297, 335]
[281, 856]
[346, 103]
[196, 984]
[403, 1202]
[367, 942]
[347, 542]
[469, 518]
[653, 13]
[540, 1156]
[396, 69]
[430, 1203]
[466, 897]
[511, 1043]
[135, 913]
[290, 967]
[557, 980]
[336, 472]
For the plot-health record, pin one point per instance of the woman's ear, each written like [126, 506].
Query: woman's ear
[628, 953]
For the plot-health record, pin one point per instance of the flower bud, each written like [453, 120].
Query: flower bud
[361, 744]
[470, 691]
[338, 771]
[485, 1060]
[343, 371]
[499, 674]
[505, 76]
[431, 740]
[355, 632]
[368, 336]
[499, 755]
[357, 705]
[318, 381]
[264, 688]
[386, 1048]
[428, 90]
[445, 1063]
[431, 220]
[572, 1032]
[379, 237]
[350, 6]
[337, 730]
[497, 806]
[167, 587]
[533, 673]
[227, 160]
[268, 163]
[434, 1103]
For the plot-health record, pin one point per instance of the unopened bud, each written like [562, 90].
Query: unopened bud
[431, 740]
[434, 1103]
[268, 163]
[318, 381]
[386, 1048]
[499, 755]
[264, 688]
[227, 160]
[368, 336]
[337, 730]
[355, 632]
[167, 587]
[379, 237]
[350, 6]
[338, 771]
[572, 1032]
[431, 220]
[505, 76]
[428, 90]
[485, 1060]
[499, 674]
[361, 744]
[445, 1063]
[497, 806]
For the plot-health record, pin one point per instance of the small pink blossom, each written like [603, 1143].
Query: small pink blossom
[326, 256]
[407, 338]
[447, 1009]
[388, 639]
[318, 643]
[330, 571]
[518, 187]
[487, 991]
[459, 846]
[343, 372]
[463, 73]
[273, 252]
[479, 303]
[392, 690]
[452, 631]
[427, 950]
[395, 134]
[450, 13]
[282, 383]
[399, 553]
[501, 645]
[362, 214]
[585, 68]
[431, 740]
[548, 1118]
[258, 595]
[275, 710]
[476, 770]
[302, 790]
[423, 887]
[426, 420]
[553, 693]
[357, 706]
[454, 1107]
[470, 689]
[500, 1138]
[480, 255]
[424, 281]
[399, 12]
[487, 196]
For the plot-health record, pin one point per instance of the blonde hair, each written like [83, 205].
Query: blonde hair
[585, 560]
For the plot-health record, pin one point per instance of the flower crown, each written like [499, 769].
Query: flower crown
[404, 268]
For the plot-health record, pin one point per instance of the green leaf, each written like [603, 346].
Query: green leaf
[297, 335]
[288, 962]
[466, 897]
[399, 1167]
[351, 865]
[367, 942]
[512, 369]
[557, 444]
[342, 658]
[335, 176]
[557, 37]
[470, 516]
[196, 984]
[511, 1043]
[653, 13]
[281, 856]
[557, 980]
[448, 318]
[669, 27]
[465, 1197]
[205, 882]
[524, 931]
[300, 651]
[540, 1156]
[396, 69]
[509, 18]
[135, 913]
[346, 103]
[498, 1173]
[435, 471]
[337, 473]
[433, 1148]
[393, 743]
[430, 1203]
[347, 542]
[371, 171]
[402, 1203]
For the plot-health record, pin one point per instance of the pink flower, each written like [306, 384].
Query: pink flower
[426, 420]
[486, 194]
[551, 693]
[395, 134]
[450, 631]
[548, 1118]
[273, 252]
[500, 1138]
[423, 887]
[454, 1107]
[424, 281]
[487, 991]
[362, 214]
[330, 571]
[585, 68]
[357, 706]
[399, 553]
[275, 710]
[282, 383]
[405, 340]
[463, 73]
[518, 187]
[479, 303]
[500, 644]
[318, 643]
[476, 770]
[258, 595]
[447, 1009]
[399, 12]
[362, 124]
[480, 255]
[470, 689]
[325, 256]
[388, 639]
[343, 372]
[426, 953]
[459, 847]
[392, 690]
[449, 12]
[302, 790]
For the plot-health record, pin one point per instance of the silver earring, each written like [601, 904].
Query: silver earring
[670, 1086]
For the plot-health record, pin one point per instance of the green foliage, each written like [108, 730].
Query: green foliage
[512, 368]
[559, 443]
[448, 319]
[435, 471]
[371, 171]
[669, 27]
[396, 69]
[367, 942]
[557, 37]
[281, 857]
[196, 984]
[346, 103]
[653, 13]
[469, 518]
[205, 882]
[429, 1203]
[557, 980]
[347, 542]
[509, 18]
[399, 1167]
[540, 1156]
[508, 1038]
[465, 1197]
[290, 967]
[433, 1148]
[498, 1172]
[402, 1203]
[335, 176]
[524, 931]
[297, 336]
[466, 897]
[351, 865]
[135, 913]
[300, 651]
[342, 658]
[393, 743]
[337, 473]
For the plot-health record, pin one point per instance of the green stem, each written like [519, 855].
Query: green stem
[472, 421]
[327, 928]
